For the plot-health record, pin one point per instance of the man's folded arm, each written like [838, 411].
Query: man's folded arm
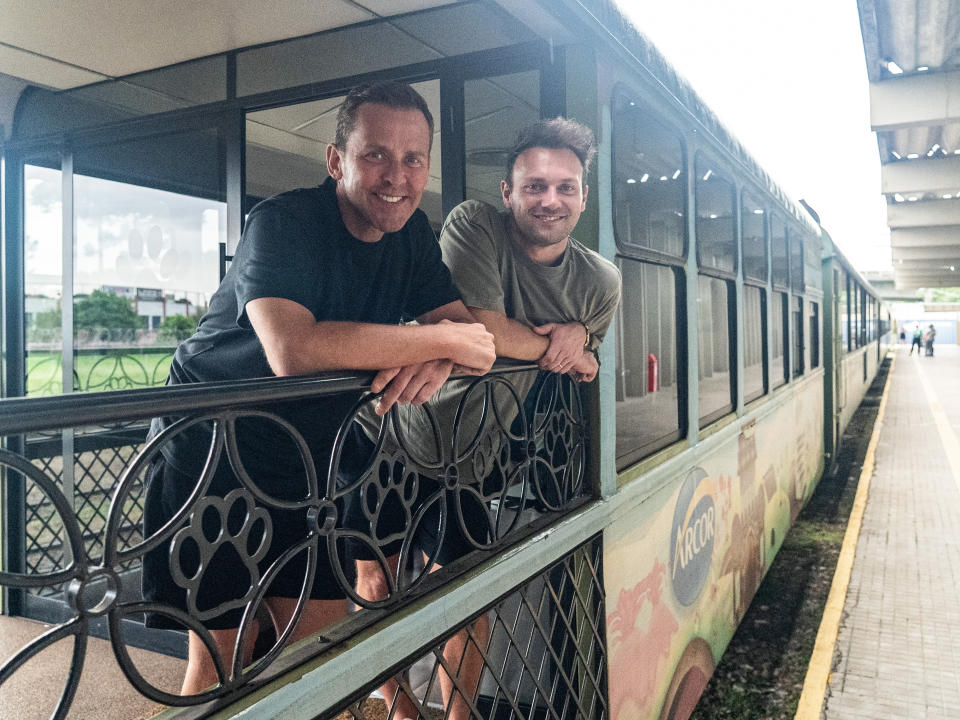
[296, 344]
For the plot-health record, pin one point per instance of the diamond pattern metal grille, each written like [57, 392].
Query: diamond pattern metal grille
[97, 469]
[544, 657]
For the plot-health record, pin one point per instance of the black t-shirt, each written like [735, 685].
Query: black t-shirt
[295, 246]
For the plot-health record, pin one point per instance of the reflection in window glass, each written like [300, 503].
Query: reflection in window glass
[845, 311]
[648, 398]
[495, 110]
[716, 229]
[754, 342]
[146, 262]
[778, 367]
[42, 231]
[649, 182]
[814, 344]
[713, 333]
[778, 252]
[796, 262]
[754, 241]
[797, 317]
[812, 268]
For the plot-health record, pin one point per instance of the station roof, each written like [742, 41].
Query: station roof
[912, 49]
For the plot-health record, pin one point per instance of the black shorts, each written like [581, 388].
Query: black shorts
[394, 503]
[232, 535]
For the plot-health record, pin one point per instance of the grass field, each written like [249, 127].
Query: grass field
[109, 370]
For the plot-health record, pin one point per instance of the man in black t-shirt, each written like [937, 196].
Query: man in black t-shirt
[321, 280]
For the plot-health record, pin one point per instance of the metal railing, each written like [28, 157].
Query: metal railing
[503, 454]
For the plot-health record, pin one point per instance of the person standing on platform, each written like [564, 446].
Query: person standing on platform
[321, 280]
[928, 337]
[917, 338]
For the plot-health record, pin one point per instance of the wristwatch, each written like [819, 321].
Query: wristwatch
[586, 342]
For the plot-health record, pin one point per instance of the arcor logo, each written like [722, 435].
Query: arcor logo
[691, 537]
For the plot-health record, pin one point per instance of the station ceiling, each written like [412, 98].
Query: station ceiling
[912, 49]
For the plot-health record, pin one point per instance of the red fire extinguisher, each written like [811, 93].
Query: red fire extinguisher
[651, 373]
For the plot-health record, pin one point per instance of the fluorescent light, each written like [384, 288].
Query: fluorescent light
[758, 211]
[922, 68]
[631, 181]
[676, 175]
[893, 68]
[663, 178]
[947, 196]
[644, 177]
[898, 197]
[913, 156]
[957, 151]
[912, 198]
[707, 174]
[713, 216]
[936, 146]
[896, 155]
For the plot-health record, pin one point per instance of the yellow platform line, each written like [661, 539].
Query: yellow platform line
[948, 438]
[821, 660]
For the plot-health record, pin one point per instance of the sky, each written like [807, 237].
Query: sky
[789, 81]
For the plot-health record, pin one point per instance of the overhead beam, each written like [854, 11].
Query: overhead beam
[924, 213]
[938, 175]
[915, 100]
[927, 253]
[942, 236]
[932, 265]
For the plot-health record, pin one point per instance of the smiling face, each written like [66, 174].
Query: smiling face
[383, 170]
[545, 197]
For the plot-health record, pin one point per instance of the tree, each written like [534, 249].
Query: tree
[177, 327]
[104, 310]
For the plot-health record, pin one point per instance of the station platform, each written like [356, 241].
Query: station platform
[896, 644]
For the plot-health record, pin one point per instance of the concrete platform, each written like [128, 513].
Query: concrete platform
[897, 653]
[33, 691]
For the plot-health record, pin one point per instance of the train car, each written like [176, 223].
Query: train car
[743, 344]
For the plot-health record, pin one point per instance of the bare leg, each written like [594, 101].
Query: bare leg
[463, 657]
[372, 585]
[201, 671]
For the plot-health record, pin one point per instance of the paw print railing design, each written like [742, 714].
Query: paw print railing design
[498, 452]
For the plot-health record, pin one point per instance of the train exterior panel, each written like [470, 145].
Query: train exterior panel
[682, 563]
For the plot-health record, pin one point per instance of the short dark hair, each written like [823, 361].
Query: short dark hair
[389, 93]
[555, 134]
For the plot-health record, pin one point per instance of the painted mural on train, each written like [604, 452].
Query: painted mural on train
[673, 607]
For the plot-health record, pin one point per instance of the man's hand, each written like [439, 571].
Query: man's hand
[566, 345]
[414, 384]
[586, 367]
[471, 345]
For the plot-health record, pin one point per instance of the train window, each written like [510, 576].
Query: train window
[753, 238]
[779, 365]
[754, 342]
[649, 374]
[716, 344]
[286, 148]
[814, 342]
[716, 227]
[798, 349]
[649, 182]
[796, 261]
[813, 269]
[495, 108]
[845, 311]
[862, 335]
[372, 46]
[778, 252]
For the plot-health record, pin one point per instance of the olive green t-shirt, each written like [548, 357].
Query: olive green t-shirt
[493, 273]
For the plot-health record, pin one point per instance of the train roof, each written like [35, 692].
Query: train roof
[557, 21]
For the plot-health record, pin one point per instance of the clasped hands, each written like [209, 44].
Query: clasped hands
[475, 355]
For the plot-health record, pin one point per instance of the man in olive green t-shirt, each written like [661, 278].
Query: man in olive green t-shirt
[545, 298]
